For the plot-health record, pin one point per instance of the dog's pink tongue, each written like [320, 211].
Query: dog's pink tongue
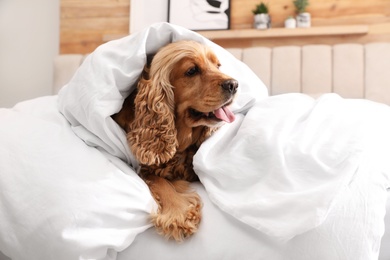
[225, 114]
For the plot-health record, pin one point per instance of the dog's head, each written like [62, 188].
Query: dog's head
[202, 93]
[181, 97]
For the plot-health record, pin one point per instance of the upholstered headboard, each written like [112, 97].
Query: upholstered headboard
[351, 70]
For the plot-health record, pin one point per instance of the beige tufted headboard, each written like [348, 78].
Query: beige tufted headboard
[351, 70]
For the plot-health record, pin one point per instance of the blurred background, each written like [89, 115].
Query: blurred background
[29, 41]
[33, 33]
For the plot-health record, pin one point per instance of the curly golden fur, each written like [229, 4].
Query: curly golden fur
[181, 99]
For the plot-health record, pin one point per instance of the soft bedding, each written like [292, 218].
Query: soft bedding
[291, 178]
[291, 156]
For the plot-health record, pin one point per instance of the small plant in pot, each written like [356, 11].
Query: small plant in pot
[290, 22]
[262, 19]
[303, 17]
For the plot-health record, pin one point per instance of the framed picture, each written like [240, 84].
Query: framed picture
[200, 14]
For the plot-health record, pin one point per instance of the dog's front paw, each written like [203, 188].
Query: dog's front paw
[180, 219]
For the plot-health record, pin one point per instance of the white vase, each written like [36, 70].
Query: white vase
[290, 23]
[262, 21]
[303, 20]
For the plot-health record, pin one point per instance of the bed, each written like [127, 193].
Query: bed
[294, 177]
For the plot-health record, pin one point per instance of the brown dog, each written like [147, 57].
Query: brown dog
[181, 99]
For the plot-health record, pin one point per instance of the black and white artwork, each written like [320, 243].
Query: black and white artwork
[200, 14]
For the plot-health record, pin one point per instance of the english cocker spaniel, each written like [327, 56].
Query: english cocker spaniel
[181, 99]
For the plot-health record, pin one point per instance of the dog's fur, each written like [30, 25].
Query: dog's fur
[167, 118]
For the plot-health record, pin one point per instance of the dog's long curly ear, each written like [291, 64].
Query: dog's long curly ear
[152, 138]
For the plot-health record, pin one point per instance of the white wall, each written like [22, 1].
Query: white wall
[141, 15]
[29, 40]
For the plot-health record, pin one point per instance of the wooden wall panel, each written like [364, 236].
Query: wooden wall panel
[324, 12]
[84, 23]
[374, 13]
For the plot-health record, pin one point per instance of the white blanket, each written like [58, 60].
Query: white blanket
[67, 180]
[60, 198]
[280, 167]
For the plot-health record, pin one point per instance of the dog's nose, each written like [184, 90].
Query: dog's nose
[230, 85]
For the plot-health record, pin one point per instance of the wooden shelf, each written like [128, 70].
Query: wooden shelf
[284, 32]
[274, 32]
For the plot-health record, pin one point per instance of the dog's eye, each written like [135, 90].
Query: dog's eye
[193, 71]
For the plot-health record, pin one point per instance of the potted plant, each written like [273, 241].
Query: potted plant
[303, 17]
[290, 22]
[262, 19]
